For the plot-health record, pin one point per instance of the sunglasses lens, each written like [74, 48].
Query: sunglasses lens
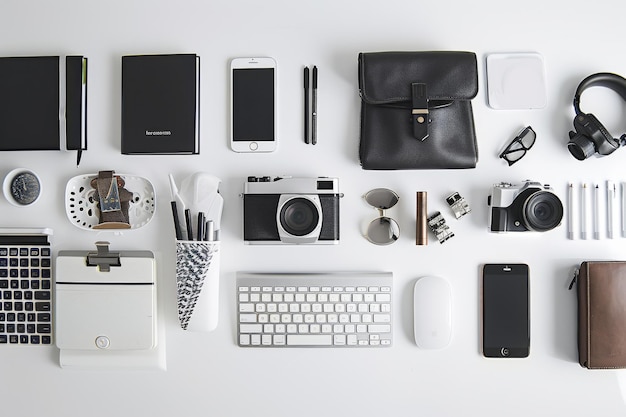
[381, 198]
[514, 155]
[527, 137]
[383, 231]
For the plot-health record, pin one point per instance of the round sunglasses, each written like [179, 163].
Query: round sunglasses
[382, 230]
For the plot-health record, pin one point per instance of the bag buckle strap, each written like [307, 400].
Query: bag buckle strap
[419, 111]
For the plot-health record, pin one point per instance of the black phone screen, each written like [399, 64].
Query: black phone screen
[506, 316]
[253, 104]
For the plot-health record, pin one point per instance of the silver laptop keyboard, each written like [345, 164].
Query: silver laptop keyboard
[315, 310]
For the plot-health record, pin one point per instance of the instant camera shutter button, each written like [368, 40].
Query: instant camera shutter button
[103, 342]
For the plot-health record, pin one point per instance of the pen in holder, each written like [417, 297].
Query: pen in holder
[197, 283]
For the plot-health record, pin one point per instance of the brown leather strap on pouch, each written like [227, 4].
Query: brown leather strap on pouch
[113, 201]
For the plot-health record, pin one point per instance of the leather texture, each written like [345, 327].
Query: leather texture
[117, 219]
[602, 315]
[392, 136]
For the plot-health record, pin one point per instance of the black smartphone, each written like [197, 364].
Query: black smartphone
[506, 311]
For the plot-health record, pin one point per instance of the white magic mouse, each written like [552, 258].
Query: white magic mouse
[432, 307]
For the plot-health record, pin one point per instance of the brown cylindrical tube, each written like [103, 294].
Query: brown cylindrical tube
[421, 230]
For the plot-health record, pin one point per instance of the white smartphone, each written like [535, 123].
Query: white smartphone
[253, 105]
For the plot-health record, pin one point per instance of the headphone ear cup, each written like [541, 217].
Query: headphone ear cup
[590, 137]
[589, 125]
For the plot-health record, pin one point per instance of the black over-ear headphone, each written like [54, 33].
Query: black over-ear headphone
[591, 136]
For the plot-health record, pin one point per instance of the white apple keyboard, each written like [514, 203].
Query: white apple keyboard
[315, 310]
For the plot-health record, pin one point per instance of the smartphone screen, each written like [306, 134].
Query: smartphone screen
[253, 104]
[506, 312]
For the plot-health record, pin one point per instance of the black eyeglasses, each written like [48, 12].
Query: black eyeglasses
[519, 145]
[382, 230]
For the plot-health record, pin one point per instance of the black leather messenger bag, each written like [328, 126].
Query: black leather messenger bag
[416, 111]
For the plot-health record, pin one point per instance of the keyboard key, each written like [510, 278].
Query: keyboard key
[44, 328]
[250, 328]
[309, 340]
[379, 328]
[43, 317]
[42, 295]
[42, 306]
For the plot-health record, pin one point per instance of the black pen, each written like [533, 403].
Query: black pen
[179, 233]
[314, 108]
[306, 104]
[78, 156]
[200, 226]
[188, 223]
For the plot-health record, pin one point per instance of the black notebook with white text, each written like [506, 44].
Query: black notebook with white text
[160, 104]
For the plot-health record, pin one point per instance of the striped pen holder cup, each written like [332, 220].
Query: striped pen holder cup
[197, 284]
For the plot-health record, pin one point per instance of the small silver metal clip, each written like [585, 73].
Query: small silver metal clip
[458, 205]
[438, 225]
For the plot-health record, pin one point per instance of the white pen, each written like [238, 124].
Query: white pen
[610, 196]
[596, 212]
[583, 212]
[210, 230]
[623, 208]
[570, 211]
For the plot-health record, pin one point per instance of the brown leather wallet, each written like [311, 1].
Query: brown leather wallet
[601, 290]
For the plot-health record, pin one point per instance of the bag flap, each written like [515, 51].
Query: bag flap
[386, 77]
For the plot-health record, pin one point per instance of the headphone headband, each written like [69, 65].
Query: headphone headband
[609, 80]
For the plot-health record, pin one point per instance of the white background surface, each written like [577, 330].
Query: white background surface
[207, 373]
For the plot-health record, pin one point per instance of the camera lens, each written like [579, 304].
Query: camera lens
[543, 211]
[299, 216]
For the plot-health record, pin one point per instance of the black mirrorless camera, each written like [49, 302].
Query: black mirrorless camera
[291, 210]
[530, 206]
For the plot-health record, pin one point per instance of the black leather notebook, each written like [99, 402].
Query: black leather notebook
[160, 104]
[30, 116]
